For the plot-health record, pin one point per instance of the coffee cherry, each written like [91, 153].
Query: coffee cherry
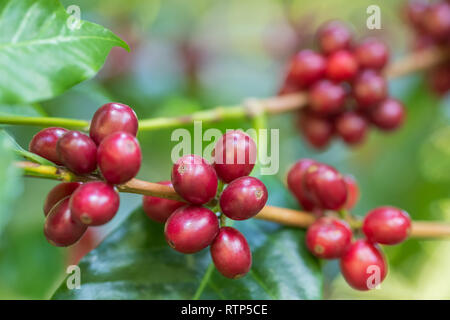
[306, 68]
[59, 228]
[361, 264]
[194, 179]
[94, 203]
[295, 181]
[110, 118]
[328, 238]
[352, 192]
[44, 144]
[59, 192]
[334, 36]
[160, 209]
[119, 157]
[326, 186]
[369, 89]
[317, 130]
[243, 198]
[372, 53]
[288, 88]
[436, 20]
[351, 127]
[327, 98]
[231, 253]
[388, 115]
[387, 225]
[234, 155]
[439, 79]
[415, 12]
[191, 228]
[77, 152]
[341, 66]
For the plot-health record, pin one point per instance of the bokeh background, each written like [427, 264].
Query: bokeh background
[192, 55]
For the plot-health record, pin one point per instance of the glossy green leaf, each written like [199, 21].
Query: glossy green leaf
[29, 110]
[44, 50]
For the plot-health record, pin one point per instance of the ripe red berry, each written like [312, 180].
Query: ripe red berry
[439, 79]
[369, 88]
[110, 118]
[94, 203]
[295, 181]
[234, 155]
[77, 152]
[190, 172]
[351, 127]
[306, 67]
[436, 20]
[388, 115]
[372, 53]
[328, 238]
[160, 209]
[44, 144]
[415, 12]
[288, 88]
[231, 253]
[59, 228]
[334, 36]
[326, 186]
[363, 265]
[317, 130]
[59, 192]
[387, 225]
[341, 66]
[119, 157]
[327, 98]
[191, 228]
[352, 192]
[243, 198]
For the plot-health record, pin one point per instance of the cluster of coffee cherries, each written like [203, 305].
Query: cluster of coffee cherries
[191, 227]
[322, 189]
[111, 154]
[431, 24]
[346, 89]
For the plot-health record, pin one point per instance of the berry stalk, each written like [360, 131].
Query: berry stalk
[284, 216]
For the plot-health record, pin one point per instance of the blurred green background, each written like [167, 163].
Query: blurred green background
[192, 55]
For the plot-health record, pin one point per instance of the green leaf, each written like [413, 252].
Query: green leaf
[135, 262]
[435, 156]
[42, 53]
[29, 110]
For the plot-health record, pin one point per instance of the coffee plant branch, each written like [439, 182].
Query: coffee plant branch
[284, 216]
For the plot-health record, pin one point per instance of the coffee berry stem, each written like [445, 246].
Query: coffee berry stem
[284, 216]
[250, 108]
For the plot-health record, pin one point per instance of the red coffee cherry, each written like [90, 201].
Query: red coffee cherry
[372, 53]
[306, 67]
[44, 144]
[94, 203]
[231, 253]
[351, 127]
[387, 225]
[110, 118]
[243, 198]
[59, 228]
[119, 157]
[77, 152]
[341, 66]
[160, 209]
[436, 20]
[363, 264]
[328, 238]
[327, 98]
[439, 79]
[189, 173]
[59, 192]
[415, 12]
[369, 89]
[317, 130]
[326, 186]
[295, 181]
[288, 88]
[334, 36]
[234, 155]
[191, 228]
[352, 192]
[388, 115]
